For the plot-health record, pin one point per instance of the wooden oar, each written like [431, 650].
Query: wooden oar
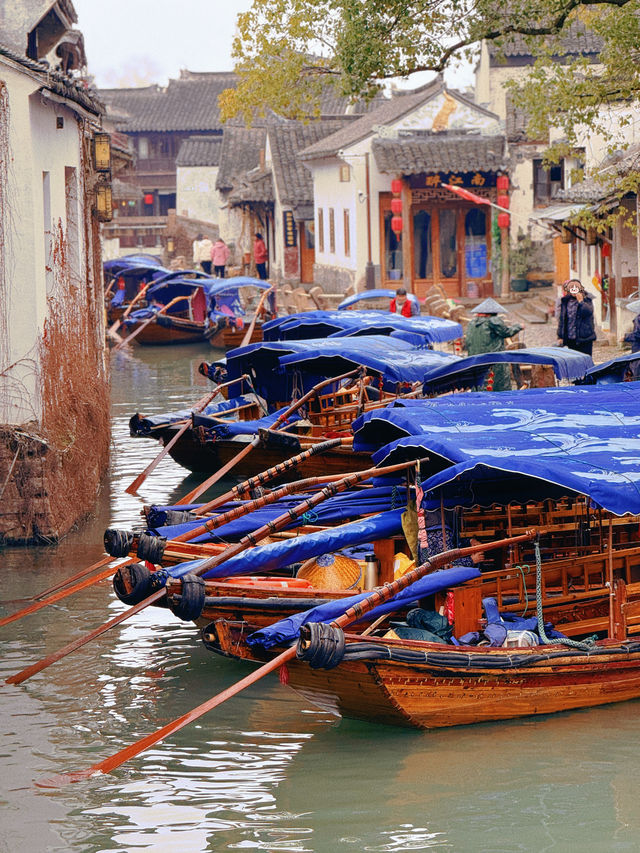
[143, 325]
[377, 597]
[247, 541]
[133, 487]
[246, 487]
[58, 596]
[247, 337]
[218, 475]
[115, 326]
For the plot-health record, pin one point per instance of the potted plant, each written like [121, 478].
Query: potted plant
[520, 262]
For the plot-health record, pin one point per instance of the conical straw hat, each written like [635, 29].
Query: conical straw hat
[489, 306]
[332, 572]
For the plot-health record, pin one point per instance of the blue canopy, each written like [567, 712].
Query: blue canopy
[378, 293]
[581, 439]
[267, 558]
[287, 630]
[569, 409]
[322, 324]
[117, 265]
[395, 366]
[621, 369]
[277, 382]
[471, 372]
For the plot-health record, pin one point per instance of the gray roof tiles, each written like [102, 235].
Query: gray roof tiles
[412, 155]
[200, 151]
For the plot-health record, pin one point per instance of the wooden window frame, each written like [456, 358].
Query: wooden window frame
[347, 233]
[320, 230]
[332, 231]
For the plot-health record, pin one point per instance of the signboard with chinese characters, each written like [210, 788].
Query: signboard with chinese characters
[473, 180]
[290, 230]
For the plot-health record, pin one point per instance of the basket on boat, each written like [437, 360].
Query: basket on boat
[332, 572]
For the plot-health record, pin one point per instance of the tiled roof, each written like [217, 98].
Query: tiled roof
[389, 111]
[57, 82]
[255, 186]
[412, 155]
[240, 152]
[293, 180]
[200, 151]
[190, 103]
[576, 40]
[601, 185]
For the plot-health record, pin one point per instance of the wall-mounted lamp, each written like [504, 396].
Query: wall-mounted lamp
[104, 203]
[102, 152]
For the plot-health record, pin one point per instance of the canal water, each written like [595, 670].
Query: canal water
[265, 771]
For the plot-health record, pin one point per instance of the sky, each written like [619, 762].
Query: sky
[138, 42]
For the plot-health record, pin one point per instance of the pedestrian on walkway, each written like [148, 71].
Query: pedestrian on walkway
[260, 255]
[576, 328]
[219, 257]
[487, 332]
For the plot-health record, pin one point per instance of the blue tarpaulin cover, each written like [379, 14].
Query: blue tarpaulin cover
[321, 324]
[267, 558]
[584, 439]
[336, 509]
[287, 630]
[139, 425]
[378, 293]
[472, 371]
[616, 369]
[331, 358]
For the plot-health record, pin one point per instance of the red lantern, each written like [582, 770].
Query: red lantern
[148, 199]
[606, 250]
[502, 183]
[396, 186]
[396, 224]
[503, 201]
[503, 220]
[396, 206]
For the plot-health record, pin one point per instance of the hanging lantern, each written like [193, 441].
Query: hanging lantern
[396, 186]
[503, 201]
[503, 220]
[566, 235]
[101, 152]
[502, 183]
[148, 199]
[591, 237]
[396, 206]
[606, 250]
[103, 203]
[396, 224]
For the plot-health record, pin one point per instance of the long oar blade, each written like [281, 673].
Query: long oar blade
[132, 488]
[129, 752]
[63, 593]
[21, 676]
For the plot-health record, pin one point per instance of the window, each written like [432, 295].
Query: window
[547, 183]
[392, 250]
[347, 234]
[143, 148]
[423, 257]
[320, 230]
[448, 243]
[475, 243]
[332, 232]
[345, 173]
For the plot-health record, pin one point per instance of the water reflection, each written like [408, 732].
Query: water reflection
[264, 771]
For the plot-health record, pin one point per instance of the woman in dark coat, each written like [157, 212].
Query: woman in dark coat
[576, 328]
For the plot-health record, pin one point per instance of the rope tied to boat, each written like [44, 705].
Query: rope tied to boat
[585, 644]
[309, 517]
[525, 568]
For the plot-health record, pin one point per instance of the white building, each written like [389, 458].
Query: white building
[53, 377]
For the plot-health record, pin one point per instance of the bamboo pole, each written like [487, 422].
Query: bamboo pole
[143, 325]
[247, 337]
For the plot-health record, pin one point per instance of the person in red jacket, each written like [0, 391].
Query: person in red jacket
[403, 305]
[260, 256]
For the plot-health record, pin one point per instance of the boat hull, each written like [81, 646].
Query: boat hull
[176, 331]
[209, 457]
[426, 697]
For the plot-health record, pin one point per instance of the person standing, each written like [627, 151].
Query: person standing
[219, 257]
[401, 304]
[575, 318]
[260, 256]
[206, 247]
[487, 333]
[196, 250]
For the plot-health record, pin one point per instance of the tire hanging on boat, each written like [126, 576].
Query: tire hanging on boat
[135, 578]
[189, 605]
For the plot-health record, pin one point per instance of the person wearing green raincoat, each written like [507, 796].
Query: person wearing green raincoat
[487, 332]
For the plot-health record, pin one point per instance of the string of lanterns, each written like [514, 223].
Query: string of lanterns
[396, 207]
[502, 185]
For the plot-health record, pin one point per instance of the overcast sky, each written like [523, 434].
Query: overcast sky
[137, 42]
[133, 42]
